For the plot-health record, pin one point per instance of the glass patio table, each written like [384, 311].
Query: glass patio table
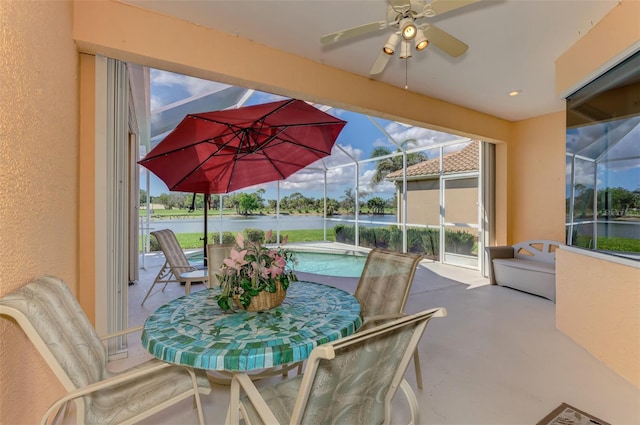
[192, 330]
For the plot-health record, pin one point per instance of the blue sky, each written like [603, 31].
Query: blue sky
[359, 137]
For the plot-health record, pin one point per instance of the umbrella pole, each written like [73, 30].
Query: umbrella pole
[206, 235]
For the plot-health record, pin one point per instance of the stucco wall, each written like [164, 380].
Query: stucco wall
[608, 292]
[598, 306]
[39, 177]
[536, 170]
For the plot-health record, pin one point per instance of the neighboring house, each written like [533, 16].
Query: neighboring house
[460, 172]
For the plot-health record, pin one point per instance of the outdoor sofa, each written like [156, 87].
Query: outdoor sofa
[527, 266]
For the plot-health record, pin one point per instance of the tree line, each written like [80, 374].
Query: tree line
[612, 201]
[248, 203]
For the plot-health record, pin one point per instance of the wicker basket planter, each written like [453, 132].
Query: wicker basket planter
[249, 274]
[264, 300]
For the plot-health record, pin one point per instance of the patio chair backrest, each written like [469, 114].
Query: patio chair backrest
[385, 282]
[53, 320]
[351, 380]
[173, 252]
[216, 254]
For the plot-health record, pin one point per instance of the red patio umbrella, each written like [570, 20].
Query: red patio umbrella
[223, 151]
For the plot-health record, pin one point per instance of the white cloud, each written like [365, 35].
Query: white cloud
[424, 137]
[339, 157]
[383, 188]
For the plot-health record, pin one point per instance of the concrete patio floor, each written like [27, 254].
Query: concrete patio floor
[497, 357]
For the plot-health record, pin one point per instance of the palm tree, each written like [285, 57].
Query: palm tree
[389, 165]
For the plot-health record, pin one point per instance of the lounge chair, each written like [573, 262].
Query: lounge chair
[176, 267]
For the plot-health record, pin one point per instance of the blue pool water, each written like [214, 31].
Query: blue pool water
[329, 264]
[343, 265]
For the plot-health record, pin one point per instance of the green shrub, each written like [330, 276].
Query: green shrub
[254, 235]
[414, 240]
[459, 242]
[395, 239]
[154, 245]
[431, 242]
[227, 237]
[345, 234]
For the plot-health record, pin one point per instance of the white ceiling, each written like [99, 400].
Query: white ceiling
[513, 44]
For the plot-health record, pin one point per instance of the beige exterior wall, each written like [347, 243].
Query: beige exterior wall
[461, 201]
[604, 290]
[423, 202]
[39, 178]
[46, 143]
[598, 306]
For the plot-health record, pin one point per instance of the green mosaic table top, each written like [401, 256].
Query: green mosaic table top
[192, 330]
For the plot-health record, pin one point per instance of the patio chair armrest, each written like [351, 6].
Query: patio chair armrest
[109, 382]
[494, 252]
[122, 332]
[242, 380]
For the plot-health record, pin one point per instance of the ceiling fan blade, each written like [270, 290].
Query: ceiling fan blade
[443, 6]
[380, 63]
[352, 32]
[445, 41]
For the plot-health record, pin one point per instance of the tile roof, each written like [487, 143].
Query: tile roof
[464, 160]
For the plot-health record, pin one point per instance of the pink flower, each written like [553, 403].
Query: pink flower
[269, 234]
[277, 266]
[240, 240]
[264, 271]
[236, 259]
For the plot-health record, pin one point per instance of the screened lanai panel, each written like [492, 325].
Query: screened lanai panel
[603, 161]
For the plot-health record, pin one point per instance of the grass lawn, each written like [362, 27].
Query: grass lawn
[194, 240]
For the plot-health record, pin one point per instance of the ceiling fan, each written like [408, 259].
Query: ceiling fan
[404, 16]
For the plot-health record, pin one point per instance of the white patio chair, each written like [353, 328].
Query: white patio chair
[216, 254]
[54, 322]
[384, 287]
[351, 380]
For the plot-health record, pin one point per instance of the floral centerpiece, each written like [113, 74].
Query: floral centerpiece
[253, 271]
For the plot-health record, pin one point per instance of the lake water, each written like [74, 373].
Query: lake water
[237, 224]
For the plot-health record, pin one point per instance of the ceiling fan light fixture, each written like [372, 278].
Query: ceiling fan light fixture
[421, 40]
[405, 50]
[408, 28]
[390, 46]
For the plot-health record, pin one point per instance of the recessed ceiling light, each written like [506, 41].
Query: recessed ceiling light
[515, 93]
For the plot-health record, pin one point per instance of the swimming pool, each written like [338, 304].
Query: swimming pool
[324, 263]
[329, 264]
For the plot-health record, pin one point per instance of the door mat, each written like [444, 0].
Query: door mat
[569, 415]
